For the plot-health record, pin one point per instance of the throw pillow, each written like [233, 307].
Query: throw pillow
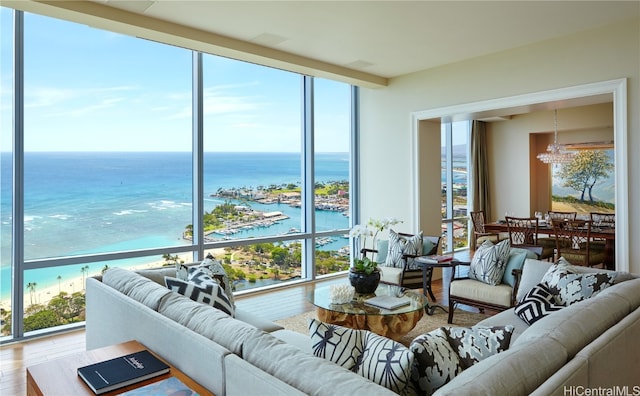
[537, 304]
[477, 343]
[569, 287]
[210, 293]
[182, 271]
[435, 362]
[399, 246]
[341, 345]
[489, 262]
[385, 362]
[214, 269]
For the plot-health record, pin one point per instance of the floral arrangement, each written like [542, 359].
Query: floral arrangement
[364, 231]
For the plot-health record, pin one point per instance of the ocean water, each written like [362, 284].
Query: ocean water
[81, 203]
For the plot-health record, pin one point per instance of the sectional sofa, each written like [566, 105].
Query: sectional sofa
[592, 343]
[245, 355]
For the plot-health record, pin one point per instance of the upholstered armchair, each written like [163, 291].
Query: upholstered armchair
[396, 264]
[499, 294]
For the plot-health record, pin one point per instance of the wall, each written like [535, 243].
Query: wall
[602, 54]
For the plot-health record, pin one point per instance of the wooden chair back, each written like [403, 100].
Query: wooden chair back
[603, 219]
[561, 216]
[477, 219]
[523, 231]
[573, 238]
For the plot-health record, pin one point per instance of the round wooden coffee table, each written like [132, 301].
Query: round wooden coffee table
[394, 323]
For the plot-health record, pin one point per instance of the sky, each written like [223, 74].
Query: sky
[91, 90]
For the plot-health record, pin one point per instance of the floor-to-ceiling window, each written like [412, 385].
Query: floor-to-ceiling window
[454, 164]
[110, 167]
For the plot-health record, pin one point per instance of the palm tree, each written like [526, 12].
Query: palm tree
[85, 271]
[104, 269]
[59, 279]
[32, 290]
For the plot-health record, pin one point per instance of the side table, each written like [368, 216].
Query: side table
[60, 377]
[427, 264]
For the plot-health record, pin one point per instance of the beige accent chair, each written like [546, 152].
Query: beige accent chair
[404, 276]
[472, 292]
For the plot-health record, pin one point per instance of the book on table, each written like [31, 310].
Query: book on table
[169, 386]
[387, 302]
[125, 370]
[437, 259]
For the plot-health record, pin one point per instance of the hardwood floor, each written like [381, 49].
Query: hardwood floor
[272, 305]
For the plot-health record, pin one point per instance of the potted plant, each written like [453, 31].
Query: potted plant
[364, 274]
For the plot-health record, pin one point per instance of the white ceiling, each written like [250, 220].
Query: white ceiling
[387, 38]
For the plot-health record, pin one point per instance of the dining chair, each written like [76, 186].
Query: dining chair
[523, 232]
[559, 216]
[573, 242]
[480, 234]
[601, 220]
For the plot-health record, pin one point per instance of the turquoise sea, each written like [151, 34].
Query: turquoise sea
[90, 202]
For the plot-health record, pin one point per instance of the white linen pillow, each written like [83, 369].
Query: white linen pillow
[400, 245]
[489, 262]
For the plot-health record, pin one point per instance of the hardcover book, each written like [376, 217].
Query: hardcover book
[438, 259]
[125, 370]
[169, 386]
[387, 302]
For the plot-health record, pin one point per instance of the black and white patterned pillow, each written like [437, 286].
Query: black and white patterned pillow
[385, 362]
[210, 293]
[214, 269]
[341, 345]
[536, 304]
[400, 245]
[477, 343]
[435, 362]
[182, 271]
[569, 287]
[489, 262]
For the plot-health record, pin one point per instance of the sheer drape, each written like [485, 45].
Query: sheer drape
[480, 199]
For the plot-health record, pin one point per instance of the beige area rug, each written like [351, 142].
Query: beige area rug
[427, 323]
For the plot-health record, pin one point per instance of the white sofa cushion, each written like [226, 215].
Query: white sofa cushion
[135, 286]
[476, 290]
[516, 371]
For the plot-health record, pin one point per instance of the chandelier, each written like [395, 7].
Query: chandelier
[556, 154]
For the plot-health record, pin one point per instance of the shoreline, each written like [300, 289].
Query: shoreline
[46, 292]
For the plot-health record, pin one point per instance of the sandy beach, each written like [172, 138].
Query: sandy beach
[44, 293]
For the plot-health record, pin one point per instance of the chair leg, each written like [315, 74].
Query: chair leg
[451, 308]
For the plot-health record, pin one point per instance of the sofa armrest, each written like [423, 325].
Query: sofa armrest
[517, 273]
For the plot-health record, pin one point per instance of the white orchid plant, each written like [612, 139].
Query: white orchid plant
[361, 232]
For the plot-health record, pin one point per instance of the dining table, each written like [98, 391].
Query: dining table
[602, 232]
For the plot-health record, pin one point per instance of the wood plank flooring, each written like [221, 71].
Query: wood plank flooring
[272, 305]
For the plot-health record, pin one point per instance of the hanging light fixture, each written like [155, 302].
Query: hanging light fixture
[556, 154]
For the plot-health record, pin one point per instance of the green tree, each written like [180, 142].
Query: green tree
[59, 278]
[584, 171]
[85, 271]
[40, 320]
[32, 290]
